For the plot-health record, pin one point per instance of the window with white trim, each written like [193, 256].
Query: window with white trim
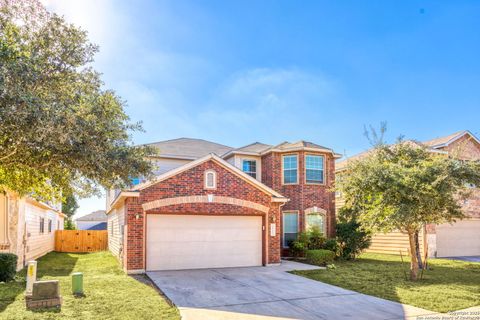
[42, 225]
[250, 168]
[49, 225]
[3, 219]
[315, 220]
[314, 165]
[290, 169]
[210, 179]
[290, 228]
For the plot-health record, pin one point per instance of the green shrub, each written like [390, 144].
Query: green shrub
[320, 257]
[352, 238]
[332, 245]
[8, 266]
[299, 247]
[315, 238]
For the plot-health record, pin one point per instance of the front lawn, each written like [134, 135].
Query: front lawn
[109, 292]
[449, 285]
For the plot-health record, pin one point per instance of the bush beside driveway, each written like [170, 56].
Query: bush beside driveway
[447, 286]
[110, 293]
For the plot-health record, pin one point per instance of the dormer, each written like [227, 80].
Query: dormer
[248, 159]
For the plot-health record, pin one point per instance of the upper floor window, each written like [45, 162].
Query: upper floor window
[250, 168]
[210, 179]
[135, 181]
[314, 168]
[290, 169]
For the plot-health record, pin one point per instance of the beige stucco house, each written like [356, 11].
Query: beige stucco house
[27, 226]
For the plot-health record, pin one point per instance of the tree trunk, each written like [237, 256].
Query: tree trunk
[413, 256]
[419, 254]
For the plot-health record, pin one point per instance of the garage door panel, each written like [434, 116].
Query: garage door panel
[192, 242]
[460, 239]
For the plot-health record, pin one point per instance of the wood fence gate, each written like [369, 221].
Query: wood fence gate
[81, 240]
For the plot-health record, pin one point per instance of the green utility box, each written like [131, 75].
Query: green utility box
[77, 283]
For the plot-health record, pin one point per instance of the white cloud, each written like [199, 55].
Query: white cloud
[267, 101]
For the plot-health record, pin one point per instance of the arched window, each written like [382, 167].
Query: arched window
[210, 179]
[316, 220]
[316, 217]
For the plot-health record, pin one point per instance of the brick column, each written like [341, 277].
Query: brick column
[135, 235]
[274, 246]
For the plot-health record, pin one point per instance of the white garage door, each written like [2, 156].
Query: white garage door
[177, 242]
[460, 239]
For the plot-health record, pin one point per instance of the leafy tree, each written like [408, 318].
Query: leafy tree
[404, 186]
[68, 224]
[61, 131]
[69, 205]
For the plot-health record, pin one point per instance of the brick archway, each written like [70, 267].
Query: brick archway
[210, 198]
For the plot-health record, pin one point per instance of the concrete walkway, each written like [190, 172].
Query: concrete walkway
[270, 293]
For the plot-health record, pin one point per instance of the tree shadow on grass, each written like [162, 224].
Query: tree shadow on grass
[383, 278]
[51, 265]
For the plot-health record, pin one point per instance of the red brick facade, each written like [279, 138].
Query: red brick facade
[467, 148]
[191, 183]
[302, 195]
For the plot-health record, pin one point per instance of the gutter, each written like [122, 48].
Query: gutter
[120, 199]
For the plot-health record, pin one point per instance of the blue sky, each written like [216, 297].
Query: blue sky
[236, 72]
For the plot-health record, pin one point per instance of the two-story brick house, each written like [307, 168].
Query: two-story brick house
[215, 206]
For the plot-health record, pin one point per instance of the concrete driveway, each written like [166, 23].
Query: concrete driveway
[269, 293]
[465, 258]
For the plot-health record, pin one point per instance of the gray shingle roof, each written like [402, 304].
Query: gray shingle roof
[94, 216]
[342, 164]
[188, 148]
[443, 140]
[300, 144]
[255, 147]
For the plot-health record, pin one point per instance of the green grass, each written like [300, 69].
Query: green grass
[109, 292]
[447, 286]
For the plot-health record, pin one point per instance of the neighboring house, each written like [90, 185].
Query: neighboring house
[446, 240]
[215, 206]
[27, 227]
[96, 220]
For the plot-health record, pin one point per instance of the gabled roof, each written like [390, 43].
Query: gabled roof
[188, 148]
[259, 149]
[275, 195]
[255, 148]
[99, 226]
[98, 215]
[445, 141]
[299, 144]
[302, 145]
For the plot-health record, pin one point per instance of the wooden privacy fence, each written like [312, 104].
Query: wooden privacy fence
[81, 240]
